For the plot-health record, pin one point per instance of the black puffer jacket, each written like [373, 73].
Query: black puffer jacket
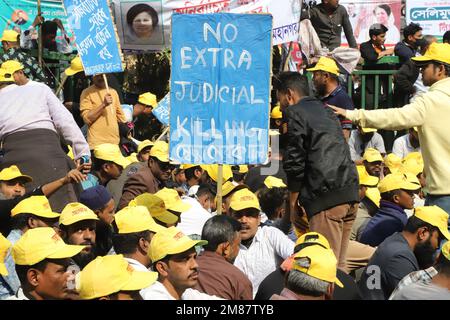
[317, 159]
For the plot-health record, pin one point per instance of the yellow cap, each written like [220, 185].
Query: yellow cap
[244, 199]
[155, 206]
[327, 65]
[38, 244]
[135, 219]
[243, 168]
[37, 205]
[4, 246]
[171, 241]
[172, 200]
[110, 274]
[160, 150]
[213, 171]
[314, 238]
[365, 179]
[144, 144]
[132, 158]
[413, 163]
[276, 112]
[6, 77]
[274, 182]
[393, 162]
[317, 262]
[75, 66]
[10, 36]
[228, 187]
[148, 99]
[373, 194]
[436, 52]
[188, 166]
[110, 152]
[396, 181]
[372, 155]
[13, 172]
[412, 179]
[368, 130]
[75, 212]
[435, 216]
[12, 66]
[445, 250]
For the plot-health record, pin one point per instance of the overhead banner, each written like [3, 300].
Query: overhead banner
[364, 13]
[220, 87]
[95, 36]
[433, 16]
[145, 25]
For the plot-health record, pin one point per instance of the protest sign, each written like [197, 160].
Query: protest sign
[220, 87]
[161, 112]
[364, 13]
[155, 33]
[433, 16]
[95, 36]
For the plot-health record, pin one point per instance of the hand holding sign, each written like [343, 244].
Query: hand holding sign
[107, 100]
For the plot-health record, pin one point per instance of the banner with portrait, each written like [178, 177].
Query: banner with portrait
[433, 16]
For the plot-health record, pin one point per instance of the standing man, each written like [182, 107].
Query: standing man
[328, 19]
[102, 112]
[321, 175]
[430, 113]
[407, 48]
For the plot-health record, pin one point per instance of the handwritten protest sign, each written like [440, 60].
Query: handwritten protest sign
[95, 36]
[161, 112]
[220, 86]
[433, 16]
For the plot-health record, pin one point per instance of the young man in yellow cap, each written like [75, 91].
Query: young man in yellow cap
[78, 224]
[150, 177]
[404, 252]
[373, 162]
[407, 143]
[173, 256]
[145, 104]
[430, 115]
[42, 259]
[262, 247]
[194, 177]
[396, 196]
[276, 118]
[363, 139]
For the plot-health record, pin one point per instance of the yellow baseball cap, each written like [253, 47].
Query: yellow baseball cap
[445, 250]
[244, 199]
[75, 212]
[373, 194]
[13, 172]
[413, 179]
[435, 216]
[171, 241]
[110, 274]
[144, 144]
[155, 206]
[413, 163]
[439, 52]
[160, 150]
[393, 162]
[148, 99]
[172, 200]
[4, 247]
[327, 65]
[37, 205]
[5, 77]
[396, 181]
[213, 171]
[243, 168]
[10, 36]
[12, 66]
[313, 238]
[188, 166]
[110, 152]
[276, 112]
[368, 130]
[372, 155]
[274, 182]
[38, 244]
[76, 65]
[365, 179]
[133, 219]
[317, 262]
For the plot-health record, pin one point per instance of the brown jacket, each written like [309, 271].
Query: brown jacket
[141, 182]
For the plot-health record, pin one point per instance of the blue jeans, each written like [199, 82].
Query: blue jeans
[441, 201]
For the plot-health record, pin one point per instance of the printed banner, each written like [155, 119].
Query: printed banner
[433, 16]
[220, 87]
[161, 112]
[95, 37]
[364, 13]
[145, 25]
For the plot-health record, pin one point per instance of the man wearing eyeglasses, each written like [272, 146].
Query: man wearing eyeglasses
[151, 177]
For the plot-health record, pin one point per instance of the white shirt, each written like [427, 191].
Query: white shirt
[402, 146]
[35, 106]
[269, 248]
[355, 143]
[193, 220]
[157, 291]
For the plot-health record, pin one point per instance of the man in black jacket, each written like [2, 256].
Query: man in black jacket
[407, 48]
[321, 176]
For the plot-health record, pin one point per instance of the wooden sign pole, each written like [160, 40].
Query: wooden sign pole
[219, 189]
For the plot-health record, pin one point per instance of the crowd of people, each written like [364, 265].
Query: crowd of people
[89, 212]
